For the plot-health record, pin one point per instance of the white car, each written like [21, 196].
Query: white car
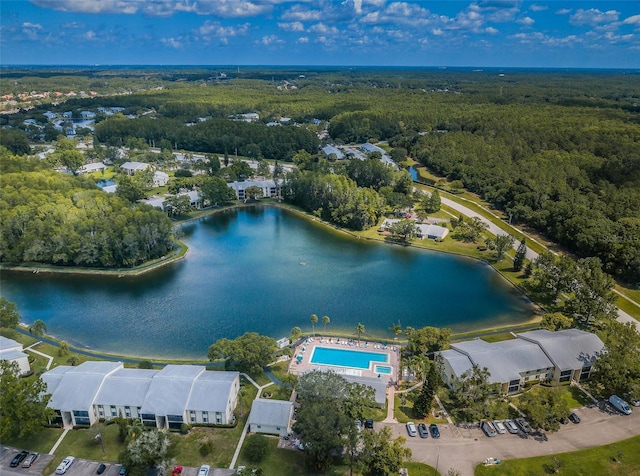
[411, 429]
[204, 470]
[499, 426]
[64, 466]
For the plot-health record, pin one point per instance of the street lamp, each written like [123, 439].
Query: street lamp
[437, 460]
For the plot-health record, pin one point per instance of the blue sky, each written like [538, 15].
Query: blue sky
[499, 33]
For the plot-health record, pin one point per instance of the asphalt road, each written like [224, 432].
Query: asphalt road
[472, 447]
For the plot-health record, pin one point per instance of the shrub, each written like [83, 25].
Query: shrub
[256, 448]
[206, 448]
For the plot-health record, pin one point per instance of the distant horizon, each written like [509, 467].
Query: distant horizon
[471, 68]
[408, 33]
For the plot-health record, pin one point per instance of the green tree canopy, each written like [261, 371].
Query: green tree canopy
[247, 353]
[545, 408]
[23, 403]
[382, 454]
[9, 315]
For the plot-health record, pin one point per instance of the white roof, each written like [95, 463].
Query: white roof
[125, 387]
[75, 388]
[134, 166]
[460, 363]
[505, 360]
[271, 412]
[568, 349]
[252, 183]
[212, 391]
[93, 167]
[9, 344]
[169, 390]
[159, 173]
[329, 149]
[367, 146]
[433, 230]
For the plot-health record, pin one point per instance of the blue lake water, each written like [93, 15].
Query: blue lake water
[265, 269]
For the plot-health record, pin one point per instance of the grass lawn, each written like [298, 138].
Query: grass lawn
[574, 397]
[278, 462]
[405, 413]
[82, 444]
[628, 306]
[622, 457]
[420, 469]
[42, 442]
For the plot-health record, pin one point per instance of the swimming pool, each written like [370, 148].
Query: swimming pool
[346, 358]
[383, 369]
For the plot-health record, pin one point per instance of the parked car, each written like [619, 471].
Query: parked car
[368, 424]
[29, 460]
[511, 426]
[574, 418]
[358, 424]
[635, 402]
[524, 426]
[619, 404]
[204, 470]
[101, 468]
[123, 471]
[411, 429]
[488, 428]
[422, 430]
[433, 429]
[499, 426]
[64, 466]
[17, 459]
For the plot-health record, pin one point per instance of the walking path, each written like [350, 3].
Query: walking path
[246, 425]
[55, 446]
[31, 349]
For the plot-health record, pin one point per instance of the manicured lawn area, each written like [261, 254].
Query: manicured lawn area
[629, 307]
[405, 413]
[420, 469]
[622, 457]
[82, 444]
[42, 442]
[279, 462]
[574, 397]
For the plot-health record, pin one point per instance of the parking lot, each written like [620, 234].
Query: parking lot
[464, 448]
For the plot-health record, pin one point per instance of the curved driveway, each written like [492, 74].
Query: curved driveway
[465, 449]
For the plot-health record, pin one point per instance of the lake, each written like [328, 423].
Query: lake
[265, 269]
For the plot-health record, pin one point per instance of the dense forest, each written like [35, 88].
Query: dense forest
[215, 135]
[558, 151]
[53, 218]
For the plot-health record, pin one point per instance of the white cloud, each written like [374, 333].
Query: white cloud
[220, 8]
[299, 13]
[211, 30]
[31, 30]
[291, 26]
[563, 11]
[303, 39]
[90, 35]
[527, 21]
[632, 20]
[593, 17]
[538, 8]
[171, 42]
[73, 24]
[323, 29]
[271, 40]
[491, 30]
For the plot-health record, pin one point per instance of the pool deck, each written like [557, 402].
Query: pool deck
[305, 350]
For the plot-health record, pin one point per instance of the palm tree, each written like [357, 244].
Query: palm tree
[296, 332]
[325, 320]
[314, 321]
[359, 330]
[38, 328]
[64, 348]
[396, 329]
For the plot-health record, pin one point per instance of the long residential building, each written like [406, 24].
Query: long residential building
[164, 398]
[538, 355]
